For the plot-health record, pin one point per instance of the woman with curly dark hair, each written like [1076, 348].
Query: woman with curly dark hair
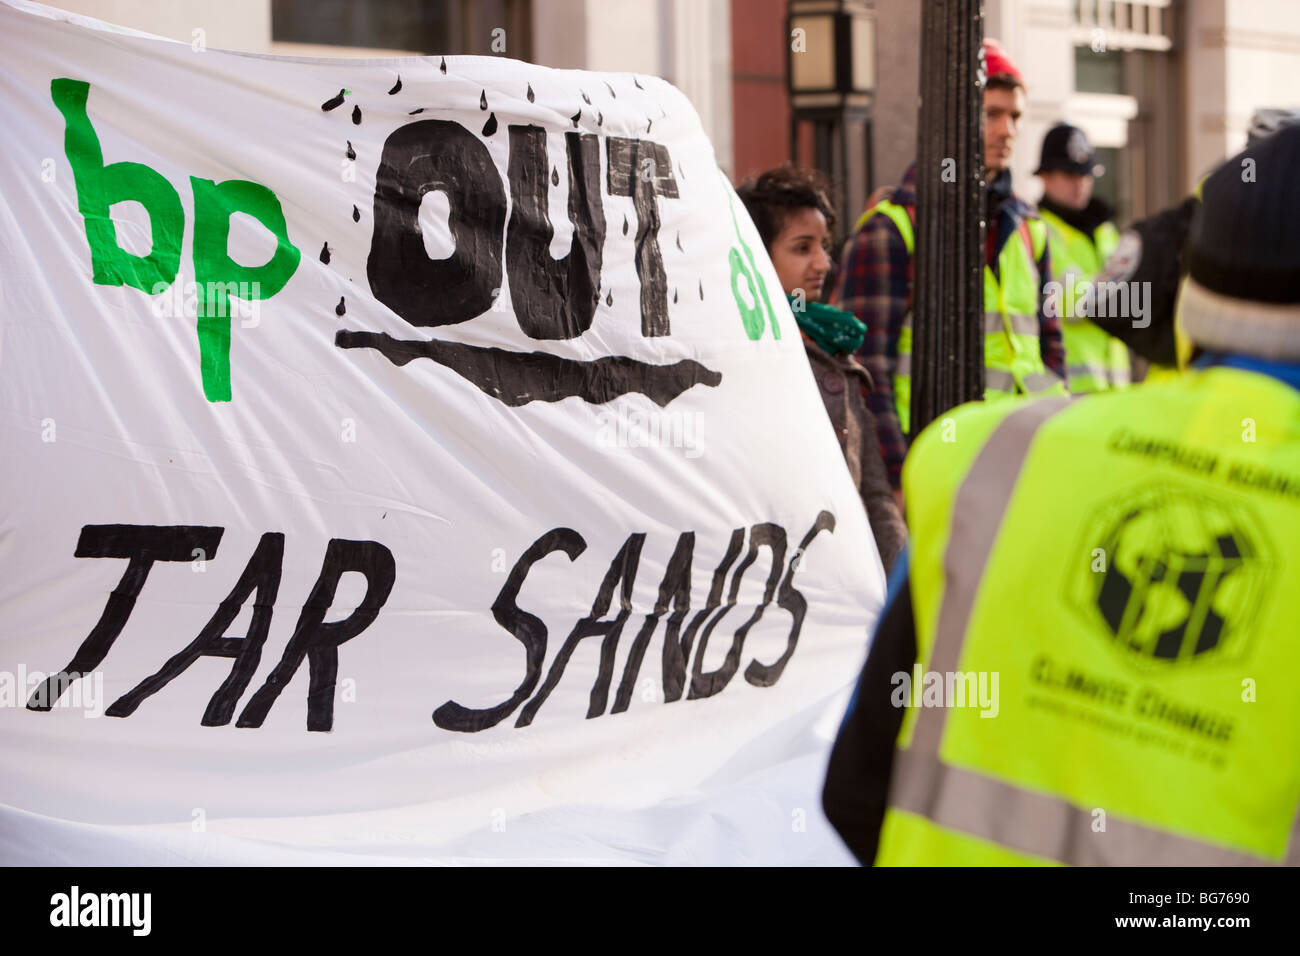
[793, 214]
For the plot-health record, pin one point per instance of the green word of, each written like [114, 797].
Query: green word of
[744, 267]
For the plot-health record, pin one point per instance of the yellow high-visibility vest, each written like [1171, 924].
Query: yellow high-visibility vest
[1013, 362]
[1094, 360]
[1123, 564]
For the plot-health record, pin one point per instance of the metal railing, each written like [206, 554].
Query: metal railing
[948, 307]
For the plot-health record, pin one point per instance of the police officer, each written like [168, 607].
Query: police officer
[1081, 236]
[1151, 254]
[1143, 710]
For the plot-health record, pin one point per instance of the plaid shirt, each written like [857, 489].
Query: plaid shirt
[874, 286]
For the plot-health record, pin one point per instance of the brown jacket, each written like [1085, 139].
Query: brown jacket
[844, 384]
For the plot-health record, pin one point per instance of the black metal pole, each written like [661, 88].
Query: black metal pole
[948, 301]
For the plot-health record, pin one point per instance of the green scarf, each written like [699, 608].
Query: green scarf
[835, 331]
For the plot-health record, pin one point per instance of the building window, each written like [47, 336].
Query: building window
[484, 27]
[1121, 24]
[1098, 72]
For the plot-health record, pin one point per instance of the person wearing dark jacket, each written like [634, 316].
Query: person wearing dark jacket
[1152, 255]
[794, 217]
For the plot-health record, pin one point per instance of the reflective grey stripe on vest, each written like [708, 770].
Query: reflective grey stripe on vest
[903, 366]
[1092, 370]
[970, 802]
[999, 380]
[1041, 825]
[1020, 324]
[1041, 381]
[1099, 373]
[977, 511]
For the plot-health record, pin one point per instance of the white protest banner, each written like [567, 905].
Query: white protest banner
[404, 459]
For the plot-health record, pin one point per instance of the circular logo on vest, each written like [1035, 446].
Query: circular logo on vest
[1177, 576]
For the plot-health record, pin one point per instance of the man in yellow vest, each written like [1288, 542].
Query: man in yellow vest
[1023, 348]
[1082, 237]
[1135, 706]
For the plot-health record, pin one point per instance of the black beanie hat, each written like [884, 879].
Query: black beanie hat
[1243, 286]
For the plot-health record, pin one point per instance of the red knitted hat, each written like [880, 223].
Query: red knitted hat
[996, 61]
